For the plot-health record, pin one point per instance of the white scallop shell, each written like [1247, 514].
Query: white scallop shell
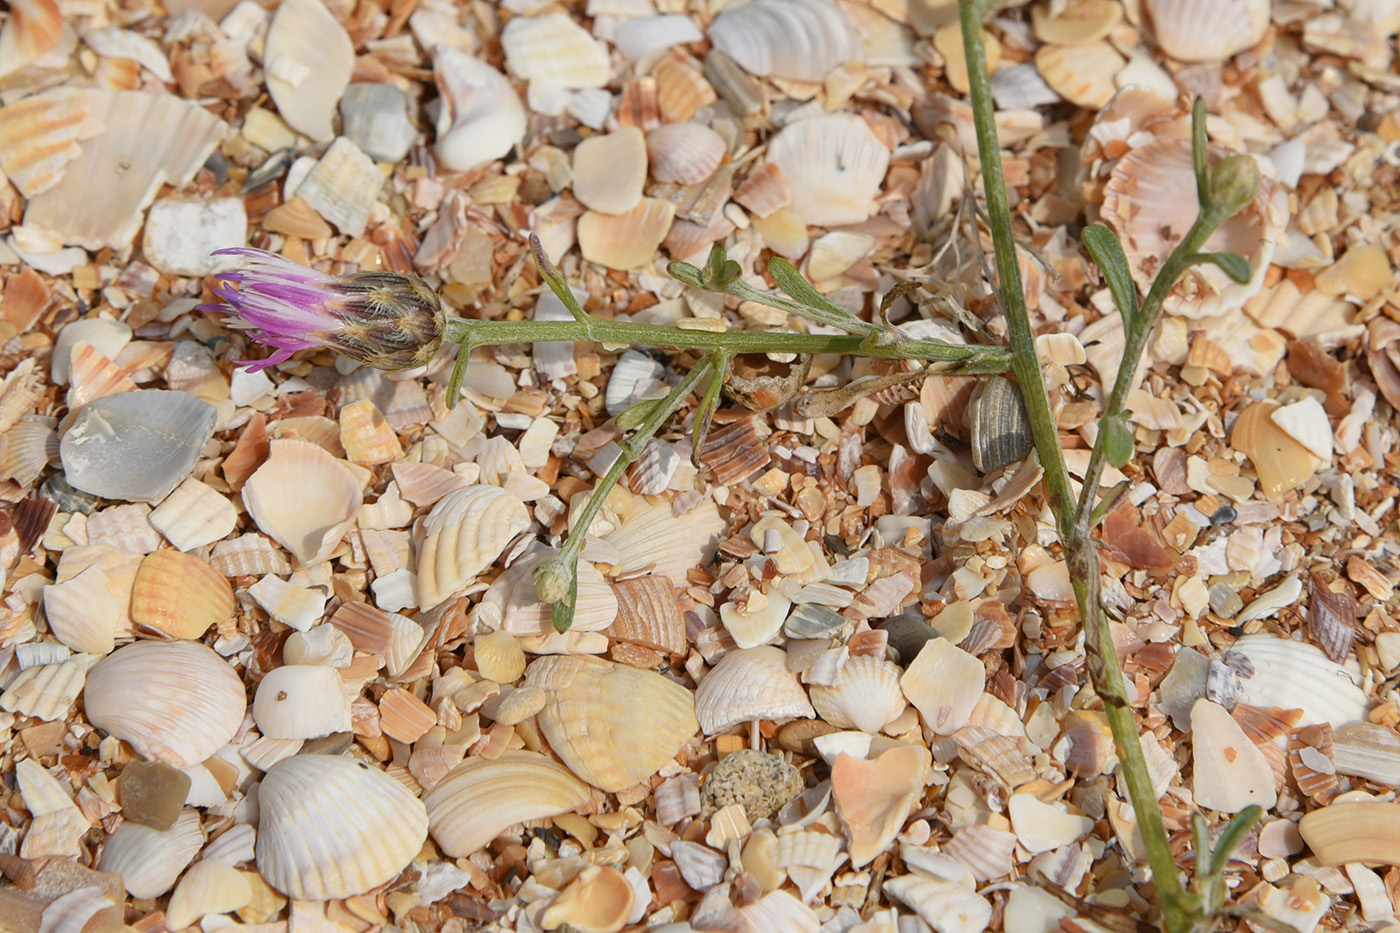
[1293, 674]
[303, 498]
[480, 799]
[522, 613]
[306, 76]
[655, 539]
[685, 153]
[176, 702]
[1207, 30]
[301, 701]
[150, 860]
[333, 827]
[867, 697]
[482, 117]
[836, 163]
[749, 684]
[194, 515]
[463, 535]
[798, 39]
[555, 48]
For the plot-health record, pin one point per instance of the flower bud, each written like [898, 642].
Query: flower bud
[554, 579]
[1234, 182]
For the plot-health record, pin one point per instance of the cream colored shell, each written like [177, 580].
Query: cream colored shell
[480, 799]
[463, 535]
[867, 697]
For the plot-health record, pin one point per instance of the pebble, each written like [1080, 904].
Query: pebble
[761, 783]
[182, 232]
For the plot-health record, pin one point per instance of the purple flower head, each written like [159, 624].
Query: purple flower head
[382, 319]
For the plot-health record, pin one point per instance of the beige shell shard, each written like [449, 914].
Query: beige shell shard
[57, 824]
[1075, 23]
[1364, 831]
[480, 799]
[83, 613]
[176, 702]
[301, 701]
[756, 620]
[40, 135]
[627, 240]
[1281, 666]
[556, 49]
[946, 906]
[463, 535]
[944, 683]
[599, 900]
[150, 860]
[749, 684]
[33, 29]
[179, 595]
[194, 515]
[1207, 30]
[1280, 461]
[656, 540]
[684, 153]
[334, 827]
[867, 698]
[482, 117]
[797, 39]
[1082, 74]
[612, 725]
[610, 169]
[303, 498]
[836, 162]
[873, 798]
[306, 77]
[209, 887]
[1229, 771]
[46, 691]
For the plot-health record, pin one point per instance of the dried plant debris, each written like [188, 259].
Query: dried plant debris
[271, 656]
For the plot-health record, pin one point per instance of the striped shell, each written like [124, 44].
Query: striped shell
[867, 697]
[480, 799]
[463, 535]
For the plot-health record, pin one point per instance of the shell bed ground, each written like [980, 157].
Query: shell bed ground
[270, 655]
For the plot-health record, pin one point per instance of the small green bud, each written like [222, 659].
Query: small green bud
[1118, 439]
[554, 580]
[1233, 184]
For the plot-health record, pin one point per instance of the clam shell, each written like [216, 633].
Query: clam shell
[599, 900]
[482, 117]
[656, 540]
[627, 240]
[334, 827]
[640, 36]
[556, 49]
[797, 39]
[463, 535]
[1207, 30]
[176, 702]
[1368, 750]
[681, 88]
[46, 691]
[136, 445]
[873, 798]
[83, 613]
[306, 78]
[34, 28]
[194, 515]
[40, 135]
[944, 683]
[209, 887]
[150, 860]
[303, 498]
[180, 595]
[1280, 666]
[1364, 831]
[610, 169]
[57, 824]
[750, 684]
[480, 799]
[867, 698]
[301, 701]
[837, 162]
[944, 905]
[499, 657]
[765, 191]
[25, 450]
[685, 153]
[1229, 771]
[612, 725]
[375, 117]
[648, 614]
[298, 607]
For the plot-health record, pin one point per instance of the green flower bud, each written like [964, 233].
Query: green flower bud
[554, 580]
[1234, 183]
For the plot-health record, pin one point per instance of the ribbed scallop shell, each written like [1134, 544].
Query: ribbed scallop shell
[176, 702]
[681, 88]
[750, 684]
[150, 860]
[522, 613]
[46, 691]
[656, 540]
[40, 135]
[194, 515]
[304, 76]
[625, 241]
[1365, 831]
[1292, 674]
[684, 153]
[301, 701]
[303, 498]
[798, 39]
[1207, 30]
[836, 163]
[34, 27]
[480, 799]
[612, 725]
[25, 449]
[180, 595]
[333, 827]
[463, 535]
[867, 698]
[555, 48]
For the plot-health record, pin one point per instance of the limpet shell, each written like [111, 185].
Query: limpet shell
[479, 799]
[303, 498]
[176, 702]
[463, 535]
[333, 827]
[612, 725]
[750, 684]
[180, 595]
[867, 698]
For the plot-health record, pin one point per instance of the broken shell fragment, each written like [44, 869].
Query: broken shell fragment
[555, 49]
[1230, 772]
[480, 799]
[483, 117]
[599, 900]
[136, 445]
[944, 683]
[836, 163]
[306, 78]
[463, 535]
[303, 498]
[1001, 428]
[301, 701]
[873, 798]
[867, 698]
[627, 240]
[179, 595]
[150, 860]
[797, 39]
[1362, 831]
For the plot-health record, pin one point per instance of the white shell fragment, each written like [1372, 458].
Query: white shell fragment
[1279, 666]
[301, 702]
[304, 77]
[463, 535]
[798, 39]
[1229, 771]
[150, 860]
[482, 117]
[837, 164]
[479, 799]
[554, 48]
[750, 684]
[303, 498]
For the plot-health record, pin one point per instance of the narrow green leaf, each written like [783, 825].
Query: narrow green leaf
[1230, 838]
[722, 271]
[796, 287]
[562, 612]
[1200, 152]
[633, 417]
[1102, 244]
[555, 280]
[686, 273]
[1118, 439]
[459, 372]
[709, 404]
[1233, 264]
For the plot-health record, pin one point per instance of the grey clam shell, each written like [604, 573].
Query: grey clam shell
[136, 445]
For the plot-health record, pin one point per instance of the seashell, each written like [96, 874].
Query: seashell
[946, 906]
[137, 445]
[298, 607]
[612, 725]
[797, 39]
[403, 717]
[765, 191]
[57, 824]
[656, 540]
[207, 888]
[1367, 750]
[648, 614]
[681, 88]
[320, 644]
[610, 169]
[684, 153]
[1001, 428]
[46, 691]
[194, 515]
[599, 900]
[301, 701]
[700, 866]
[248, 555]
[1081, 74]
[640, 36]
[810, 849]
[1003, 757]
[749, 684]
[25, 450]
[33, 29]
[814, 621]
[1229, 771]
[1042, 827]
[867, 698]
[634, 378]
[758, 620]
[366, 435]
[482, 117]
[150, 860]
[303, 498]
[306, 79]
[522, 612]
[987, 852]
[463, 535]
[555, 49]
[677, 797]
[1076, 23]
[334, 827]
[1280, 665]
[132, 46]
[1280, 461]
[480, 799]
[82, 908]
[873, 798]
[375, 119]
[1331, 619]
[83, 612]
[113, 179]
[761, 383]
[944, 683]
[1307, 423]
[1310, 762]
[175, 702]
[395, 638]
[179, 595]
[627, 240]
[1362, 831]
[343, 187]
[837, 162]
[39, 135]
[1207, 30]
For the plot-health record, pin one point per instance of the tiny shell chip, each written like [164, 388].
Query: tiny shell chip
[836, 163]
[1208, 30]
[555, 48]
[136, 445]
[176, 702]
[303, 498]
[750, 684]
[612, 725]
[463, 535]
[306, 77]
[797, 39]
[334, 827]
[179, 595]
[479, 799]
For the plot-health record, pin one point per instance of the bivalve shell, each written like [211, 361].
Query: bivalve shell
[867, 698]
[1280, 666]
[333, 827]
[150, 860]
[610, 169]
[599, 900]
[873, 798]
[556, 49]
[463, 535]
[1362, 831]
[797, 39]
[180, 595]
[1207, 30]
[136, 445]
[836, 162]
[210, 887]
[303, 498]
[176, 702]
[483, 117]
[684, 153]
[301, 701]
[304, 77]
[944, 683]
[750, 684]
[626, 240]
